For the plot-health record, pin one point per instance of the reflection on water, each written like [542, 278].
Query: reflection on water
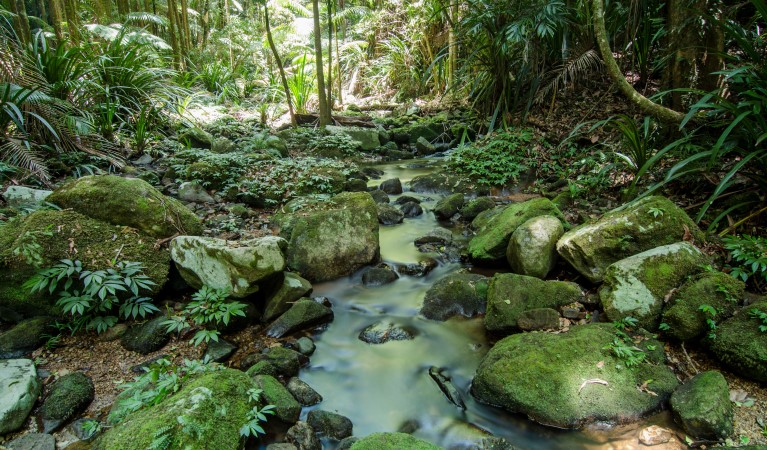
[387, 387]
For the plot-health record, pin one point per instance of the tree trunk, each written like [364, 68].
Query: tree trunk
[648, 106]
[325, 118]
[42, 8]
[713, 59]
[73, 21]
[185, 27]
[330, 55]
[681, 44]
[123, 8]
[21, 21]
[279, 65]
[57, 19]
[172, 34]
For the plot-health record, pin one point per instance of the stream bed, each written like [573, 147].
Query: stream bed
[387, 387]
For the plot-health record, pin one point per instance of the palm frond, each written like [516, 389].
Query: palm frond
[145, 18]
[572, 70]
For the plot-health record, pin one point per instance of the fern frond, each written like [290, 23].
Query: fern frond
[570, 72]
[144, 18]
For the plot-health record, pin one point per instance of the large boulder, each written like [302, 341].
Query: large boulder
[130, 202]
[741, 345]
[293, 287]
[637, 286]
[61, 235]
[331, 239]
[235, 266]
[200, 402]
[718, 290]
[532, 247]
[626, 231]
[19, 388]
[68, 396]
[490, 243]
[703, 407]
[367, 138]
[510, 295]
[462, 294]
[568, 380]
[24, 338]
[474, 207]
[392, 441]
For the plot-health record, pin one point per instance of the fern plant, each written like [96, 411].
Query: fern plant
[749, 257]
[91, 297]
[208, 310]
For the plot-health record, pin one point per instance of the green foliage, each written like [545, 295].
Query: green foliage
[208, 310]
[301, 84]
[89, 296]
[256, 416]
[761, 316]
[497, 160]
[161, 379]
[219, 80]
[750, 254]
[327, 144]
[623, 346]
[29, 249]
[710, 313]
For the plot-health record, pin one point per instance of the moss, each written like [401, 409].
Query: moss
[23, 338]
[741, 346]
[286, 408]
[626, 231]
[392, 441]
[474, 207]
[218, 402]
[147, 337]
[457, 294]
[509, 295]
[69, 395]
[717, 289]
[445, 183]
[703, 407]
[448, 206]
[490, 243]
[71, 236]
[545, 375]
[130, 202]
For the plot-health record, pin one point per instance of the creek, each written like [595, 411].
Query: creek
[387, 387]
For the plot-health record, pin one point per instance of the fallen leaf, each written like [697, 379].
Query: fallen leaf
[600, 364]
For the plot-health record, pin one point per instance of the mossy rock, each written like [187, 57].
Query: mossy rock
[448, 206]
[509, 295]
[331, 239]
[462, 294]
[474, 207]
[703, 407]
[197, 137]
[623, 232]
[552, 378]
[716, 289]
[216, 402]
[69, 396]
[293, 287]
[70, 235]
[286, 408]
[305, 313]
[129, 202]
[740, 345]
[332, 179]
[147, 337]
[532, 246]
[484, 217]
[392, 441]
[490, 243]
[445, 183]
[24, 338]
[636, 286]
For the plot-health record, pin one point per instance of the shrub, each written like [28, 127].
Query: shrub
[208, 310]
[497, 160]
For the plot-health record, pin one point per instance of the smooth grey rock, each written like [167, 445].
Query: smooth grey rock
[379, 196]
[411, 209]
[219, 351]
[303, 393]
[383, 332]
[305, 346]
[378, 276]
[192, 191]
[389, 215]
[33, 441]
[438, 236]
[21, 196]
[19, 389]
[330, 424]
[392, 186]
[532, 248]
[237, 267]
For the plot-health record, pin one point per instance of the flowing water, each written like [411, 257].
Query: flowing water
[387, 387]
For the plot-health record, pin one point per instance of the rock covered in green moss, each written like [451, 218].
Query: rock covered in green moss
[330, 424]
[130, 202]
[626, 231]
[282, 361]
[447, 207]
[702, 406]
[235, 266]
[331, 239]
[538, 319]
[462, 294]
[147, 337]
[69, 235]
[492, 239]
[474, 207]
[716, 289]
[366, 138]
[305, 313]
[392, 441]
[293, 287]
[568, 380]
[509, 295]
[389, 215]
[532, 247]
[740, 345]
[197, 137]
[216, 403]
[636, 286]
[286, 408]
[443, 183]
[68, 396]
[19, 388]
[24, 338]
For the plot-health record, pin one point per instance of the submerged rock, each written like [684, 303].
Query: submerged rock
[462, 294]
[127, 201]
[332, 239]
[199, 401]
[571, 379]
[636, 286]
[378, 276]
[740, 345]
[305, 313]
[392, 441]
[702, 406]
[383, 332]
[19, 388]
[68, 396]
[626, 231]
[235, 266]
[510, 295]
[492, 239]
[532, 247]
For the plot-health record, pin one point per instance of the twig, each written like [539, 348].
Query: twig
[689, 360]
